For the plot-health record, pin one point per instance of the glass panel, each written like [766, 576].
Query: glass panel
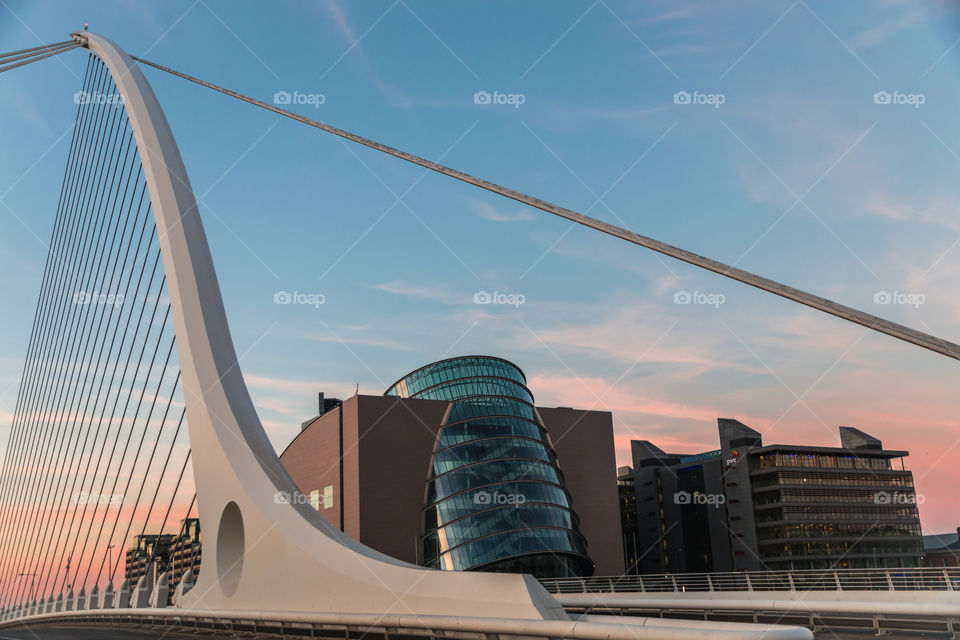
[513, 543]
[454, 434]
[489, 449]
[506, 518]
[492, 472]
[468, 502]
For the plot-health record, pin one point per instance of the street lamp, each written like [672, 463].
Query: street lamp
[110, 561]
[33, 593]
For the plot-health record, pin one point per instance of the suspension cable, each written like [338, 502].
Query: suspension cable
[81, 421]
[61, 341]
[844, 312]
[6, 58]
[59, 396]
[113, 375]
[68, 47]
[111, 329]
[32, 49]
[92, 334]
[153, 501]
[19, 436]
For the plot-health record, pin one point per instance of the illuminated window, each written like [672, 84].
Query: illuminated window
[328, 496]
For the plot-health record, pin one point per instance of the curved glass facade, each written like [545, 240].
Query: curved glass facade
[495, 498]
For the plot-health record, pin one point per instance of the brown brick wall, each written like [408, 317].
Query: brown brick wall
[312, 460]
[583, 441]
[397, 443]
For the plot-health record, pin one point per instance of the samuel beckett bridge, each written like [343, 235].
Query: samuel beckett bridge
[131, 389]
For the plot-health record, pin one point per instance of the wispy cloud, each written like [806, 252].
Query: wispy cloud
[288, 385]
[941, 212]
[434, 293]
[335, 10]
[888, 28]
[623, 334]
[488, 212]
[621, 399]
[566, 117]
[288, 397]
[364, 341]
[670, 15]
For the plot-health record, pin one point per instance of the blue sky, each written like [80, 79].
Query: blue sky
[799, 175]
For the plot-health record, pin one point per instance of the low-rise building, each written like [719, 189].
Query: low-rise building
[942, 550]
[147, 550]
[173, 553]
[186, 550]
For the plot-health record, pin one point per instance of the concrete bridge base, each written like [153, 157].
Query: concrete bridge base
[878, 611]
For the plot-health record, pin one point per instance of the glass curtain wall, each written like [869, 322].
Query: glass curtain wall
[495, 498]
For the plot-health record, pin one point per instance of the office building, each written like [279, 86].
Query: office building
[748, 505]
[629, 516]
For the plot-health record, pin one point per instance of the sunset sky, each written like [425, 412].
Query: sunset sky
[820, 147]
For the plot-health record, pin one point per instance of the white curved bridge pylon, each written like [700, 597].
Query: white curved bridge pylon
[261, 554]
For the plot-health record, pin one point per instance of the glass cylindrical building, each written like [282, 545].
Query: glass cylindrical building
[495, 497]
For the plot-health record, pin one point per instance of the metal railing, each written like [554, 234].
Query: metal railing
[918, 579]
[428, 627]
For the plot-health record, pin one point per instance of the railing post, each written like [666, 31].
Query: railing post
[790, 580]
[886, 573]
[610, 584]
[673, 580]
[946, 577]
[746, 574]
[710, 582]
[837, 579]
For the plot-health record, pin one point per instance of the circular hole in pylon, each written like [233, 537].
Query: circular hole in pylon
[230, 548]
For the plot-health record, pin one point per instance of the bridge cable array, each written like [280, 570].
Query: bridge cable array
[844, 312]
[98, 438]
[26, 56]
